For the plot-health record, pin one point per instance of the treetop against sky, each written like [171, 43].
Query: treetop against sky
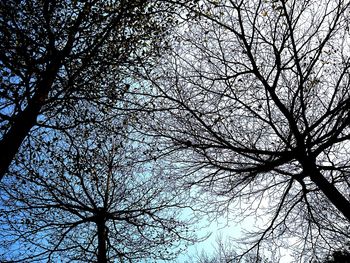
[245, 103]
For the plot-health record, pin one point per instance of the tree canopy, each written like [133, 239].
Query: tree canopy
[56, 54]
[114, 114]
[90, 197]
[255, 99]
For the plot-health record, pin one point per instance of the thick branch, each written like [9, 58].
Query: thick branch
[330, 191]
[26, 119]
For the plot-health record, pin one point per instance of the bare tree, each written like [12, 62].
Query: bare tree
[55, 54]
[253, 104]
[90, 197]
[224, 252]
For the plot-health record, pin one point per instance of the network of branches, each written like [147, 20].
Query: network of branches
[124, 123]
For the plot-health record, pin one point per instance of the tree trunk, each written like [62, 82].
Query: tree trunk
[102, 240]
[329, 190]
[26, 120]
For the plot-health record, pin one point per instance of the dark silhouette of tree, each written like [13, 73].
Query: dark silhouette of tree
[339, 257]
[255, 98]
[56, 54]
[90, 197]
